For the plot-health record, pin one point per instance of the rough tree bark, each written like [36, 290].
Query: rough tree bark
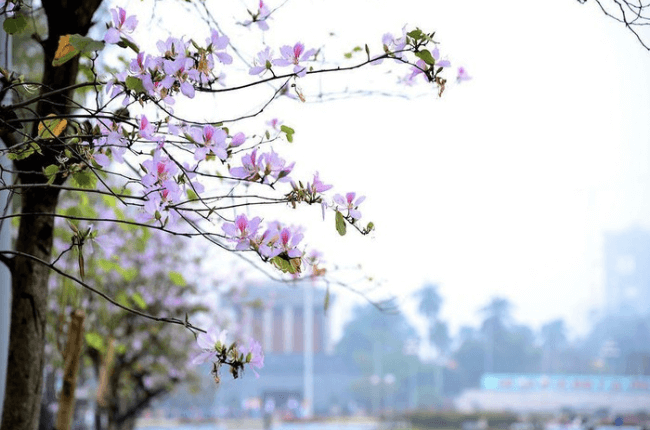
[35, 232]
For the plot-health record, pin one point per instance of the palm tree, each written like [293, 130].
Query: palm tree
[430, 302]
[497, 316]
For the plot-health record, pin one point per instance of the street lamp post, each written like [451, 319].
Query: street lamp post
[411, 348]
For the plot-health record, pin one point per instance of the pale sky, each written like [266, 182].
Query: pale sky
[506, 184]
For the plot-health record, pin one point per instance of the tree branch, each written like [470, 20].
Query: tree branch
[103, 295]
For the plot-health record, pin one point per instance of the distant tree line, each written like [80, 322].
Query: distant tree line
[377, 343]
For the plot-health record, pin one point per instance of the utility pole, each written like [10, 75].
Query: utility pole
[376, 379]
[411, 348]
[308, 349]
[489, 353]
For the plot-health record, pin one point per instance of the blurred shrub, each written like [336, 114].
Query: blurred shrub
[449, 420]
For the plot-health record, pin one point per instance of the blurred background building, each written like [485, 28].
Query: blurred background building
[294, 329]
[627, 271]
[552, 393]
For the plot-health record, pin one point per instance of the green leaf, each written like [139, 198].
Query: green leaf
[122, 299]
[120, 349]
[21, 153]
[110, 201]
[135, 84]
[139, 301]
[288, 131]
[128, 274]
[286, 266]
[85, 44]
[84, 179]
[95, 340]
[340, 223]
[15, 24]
[415, 34]
[191, 194]
[106, 265]
[124, 43]
[426, 56]
[177, 279]
[50, 172]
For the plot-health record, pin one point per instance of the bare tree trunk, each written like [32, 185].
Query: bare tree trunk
[29, 293]
[35, 233]
[72, 358]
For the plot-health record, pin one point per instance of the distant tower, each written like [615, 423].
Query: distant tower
[627, 271]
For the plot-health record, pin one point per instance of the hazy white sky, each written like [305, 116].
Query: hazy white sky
[506, 184]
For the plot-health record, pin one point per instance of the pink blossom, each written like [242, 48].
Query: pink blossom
[274, 123]
[260, 17]
[418, 69]
[210, 342]
[435, 53]
[160, 174]
[264, 62]
[209, 139]
[392, 46]
[237, 140]
[274, 168]
[121, 26]
[294, 55]
[267, 168]
[277, 239]
[289, 240]
[242, 231]
[348, 202]
[462, 75]
[146, 128]
[171, 48]
[249, 169]
[217, 44]
[101, 159]
[113, 138]
[181, 70]
[253, 355]
[318, 186]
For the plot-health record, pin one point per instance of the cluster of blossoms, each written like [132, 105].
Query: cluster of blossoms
[429, 63]
[267, 168]
[177, 67]
[275, 240]
[421, 66]
[290, 55]
[215, 347]
[212, 141]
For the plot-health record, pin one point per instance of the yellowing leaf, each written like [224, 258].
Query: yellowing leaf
[65, 52]
[51, 128]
